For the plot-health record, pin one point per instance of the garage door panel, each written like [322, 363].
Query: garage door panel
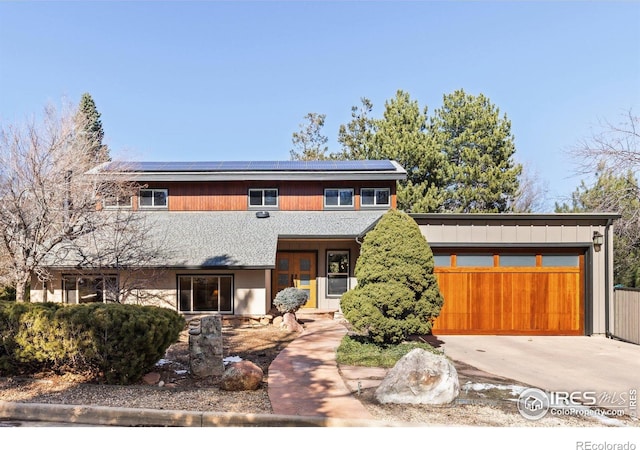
[455, 286]
[536, 300]
[483, 299]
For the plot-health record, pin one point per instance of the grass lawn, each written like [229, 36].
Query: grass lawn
[357, 351]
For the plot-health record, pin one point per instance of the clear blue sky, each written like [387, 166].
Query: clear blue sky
[209, 80]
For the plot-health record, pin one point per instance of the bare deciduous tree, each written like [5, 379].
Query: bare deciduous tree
[612, 156]
[617, 146]
[50, 207]
[532, 192]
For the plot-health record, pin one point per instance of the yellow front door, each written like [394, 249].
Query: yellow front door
[296, 269]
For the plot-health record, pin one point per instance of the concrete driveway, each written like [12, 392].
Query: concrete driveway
[608, 367]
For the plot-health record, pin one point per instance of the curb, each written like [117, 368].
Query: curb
[140, 417]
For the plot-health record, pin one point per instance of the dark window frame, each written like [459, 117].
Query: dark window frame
[192, 301]
[346, 275]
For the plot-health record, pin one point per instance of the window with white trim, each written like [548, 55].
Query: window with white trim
[371, 197]
[337, 272]
[205, 293]
[117, 202]
[154, 198]
[338, 198]
[263, 198]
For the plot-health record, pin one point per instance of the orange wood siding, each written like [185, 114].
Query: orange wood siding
[233, 195]
[512, 300]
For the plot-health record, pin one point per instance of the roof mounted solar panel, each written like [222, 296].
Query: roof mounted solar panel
[252, 166]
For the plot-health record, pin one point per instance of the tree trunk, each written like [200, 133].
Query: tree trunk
[21, 291]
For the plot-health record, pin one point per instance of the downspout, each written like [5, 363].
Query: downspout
[607, 280]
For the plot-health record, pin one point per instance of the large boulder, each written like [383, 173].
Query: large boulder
[420, 377]
[241, 376]
[290, 323]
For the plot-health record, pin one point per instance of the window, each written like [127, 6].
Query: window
[263, 197]
[338, 197]
[90, 289]
[560, 261]
[205, 293]
[442, 260]
[337, 272]
[375, 196]
[518, 260]
[474, 260]
[117, 202]
[153, 198]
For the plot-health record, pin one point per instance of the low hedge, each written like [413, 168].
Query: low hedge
[116, 342]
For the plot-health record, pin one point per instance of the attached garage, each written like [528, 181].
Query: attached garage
[525, 274]
[506, 291]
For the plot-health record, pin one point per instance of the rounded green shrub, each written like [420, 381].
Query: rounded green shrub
[397, 294]
[119, 342]
[290, 300]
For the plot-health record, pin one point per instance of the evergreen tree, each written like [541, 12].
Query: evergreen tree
[397, 294]
[401, 135]
[309, 143]
[90, 127]
[479, 148]
[356, 137]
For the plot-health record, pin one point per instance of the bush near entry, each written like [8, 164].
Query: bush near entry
[290, 300]
[119, 342]
[397, 294]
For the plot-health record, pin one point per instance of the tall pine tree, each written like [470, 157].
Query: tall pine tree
[309, 143]
[401, 135]
[356, 137]
[479, 147]
[90, 126]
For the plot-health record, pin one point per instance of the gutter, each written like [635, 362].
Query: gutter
[607, 285]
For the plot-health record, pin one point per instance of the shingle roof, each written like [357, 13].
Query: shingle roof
[242, 240]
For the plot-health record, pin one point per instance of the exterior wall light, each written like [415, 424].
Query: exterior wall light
[598, 240]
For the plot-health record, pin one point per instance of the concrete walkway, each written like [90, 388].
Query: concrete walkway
[554, 363]
[304, 379]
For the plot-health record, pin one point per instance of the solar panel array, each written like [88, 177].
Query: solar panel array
[252, 166]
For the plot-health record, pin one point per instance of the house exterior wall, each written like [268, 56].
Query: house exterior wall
[321, 247]
[541, 232]
[249, 289]
[234, 195]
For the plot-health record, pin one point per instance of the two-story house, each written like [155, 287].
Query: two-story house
[236, 233]
[233, 234]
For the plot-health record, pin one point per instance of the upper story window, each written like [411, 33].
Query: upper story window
[263, 197]
[117, 202]
[370, 197]
[154, 198]
[339, 198]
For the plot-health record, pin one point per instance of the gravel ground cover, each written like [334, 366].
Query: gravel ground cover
[485, 399]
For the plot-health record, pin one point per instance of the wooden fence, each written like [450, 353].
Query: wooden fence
[626, 314]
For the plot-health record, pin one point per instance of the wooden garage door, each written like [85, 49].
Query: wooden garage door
[511, 293]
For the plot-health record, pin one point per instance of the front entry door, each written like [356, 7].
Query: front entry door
[296, 269]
